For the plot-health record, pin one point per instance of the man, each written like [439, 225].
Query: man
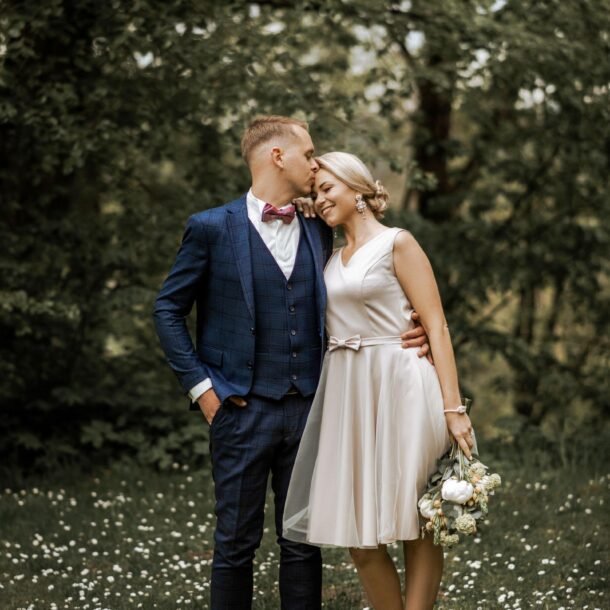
[254, 269]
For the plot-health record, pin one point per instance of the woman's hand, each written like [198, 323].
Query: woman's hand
[305, 205]
[460, 427]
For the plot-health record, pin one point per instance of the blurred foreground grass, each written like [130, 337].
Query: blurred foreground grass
[127, 537]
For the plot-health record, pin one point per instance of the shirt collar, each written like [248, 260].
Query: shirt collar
[258, 204]
[255, 203]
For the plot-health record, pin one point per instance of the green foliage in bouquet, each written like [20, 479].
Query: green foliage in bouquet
[457, 496]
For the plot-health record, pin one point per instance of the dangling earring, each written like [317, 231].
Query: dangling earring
[361, 206]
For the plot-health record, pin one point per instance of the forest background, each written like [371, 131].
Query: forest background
[486, 120]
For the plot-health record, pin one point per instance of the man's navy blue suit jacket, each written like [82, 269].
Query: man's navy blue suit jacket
[213, 269]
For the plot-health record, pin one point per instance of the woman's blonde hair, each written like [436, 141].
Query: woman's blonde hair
[354, 173]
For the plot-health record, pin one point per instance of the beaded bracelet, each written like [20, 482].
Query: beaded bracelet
[460, 409]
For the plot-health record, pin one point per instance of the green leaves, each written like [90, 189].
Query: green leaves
[119, 121]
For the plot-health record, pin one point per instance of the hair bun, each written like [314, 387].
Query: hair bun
[381, 199]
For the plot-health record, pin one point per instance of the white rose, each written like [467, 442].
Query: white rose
[457, 491]
[426, 507]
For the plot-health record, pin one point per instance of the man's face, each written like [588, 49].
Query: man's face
[299, 164]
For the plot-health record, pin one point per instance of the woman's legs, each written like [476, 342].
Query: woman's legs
[423, 572]
[379, 577]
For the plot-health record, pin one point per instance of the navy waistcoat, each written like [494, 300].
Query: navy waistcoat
[288, 339]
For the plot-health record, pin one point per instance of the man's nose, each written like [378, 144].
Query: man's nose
[314, 165]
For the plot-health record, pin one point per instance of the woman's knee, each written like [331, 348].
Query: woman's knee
[365, 557]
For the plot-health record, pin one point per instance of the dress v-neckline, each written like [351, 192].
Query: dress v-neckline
[368, 241]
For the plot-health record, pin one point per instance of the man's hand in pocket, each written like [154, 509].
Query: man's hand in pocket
[209, 404]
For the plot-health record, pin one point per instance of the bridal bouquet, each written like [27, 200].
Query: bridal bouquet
[457, 496]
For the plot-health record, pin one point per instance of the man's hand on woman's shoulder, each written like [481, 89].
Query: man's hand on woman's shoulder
[305, 205]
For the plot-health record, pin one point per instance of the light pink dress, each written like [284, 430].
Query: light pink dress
[376, 426]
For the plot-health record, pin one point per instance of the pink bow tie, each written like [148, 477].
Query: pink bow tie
[286, 214]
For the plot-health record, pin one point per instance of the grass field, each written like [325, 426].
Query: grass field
[133, 538]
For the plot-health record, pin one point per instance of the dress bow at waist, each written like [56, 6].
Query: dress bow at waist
[356, 342]
[349, 343]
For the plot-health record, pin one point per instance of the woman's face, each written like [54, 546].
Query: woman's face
[334, 201]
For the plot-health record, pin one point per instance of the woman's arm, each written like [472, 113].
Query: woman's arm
[416, 278]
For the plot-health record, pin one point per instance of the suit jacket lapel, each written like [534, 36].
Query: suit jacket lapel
[315, 244]
[239, 231]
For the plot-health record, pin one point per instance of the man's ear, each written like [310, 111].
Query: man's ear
[277, 156]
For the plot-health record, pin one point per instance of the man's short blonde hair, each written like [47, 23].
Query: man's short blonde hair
[264, 128]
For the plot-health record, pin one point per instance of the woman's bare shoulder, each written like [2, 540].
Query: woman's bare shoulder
[404, 241]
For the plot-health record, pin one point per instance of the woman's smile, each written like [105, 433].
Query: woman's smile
[327, 206]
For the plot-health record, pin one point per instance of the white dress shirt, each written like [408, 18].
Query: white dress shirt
[283, 242]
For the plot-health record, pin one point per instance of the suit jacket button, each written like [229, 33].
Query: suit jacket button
[252, 329]
[250, 365]
[294, 377]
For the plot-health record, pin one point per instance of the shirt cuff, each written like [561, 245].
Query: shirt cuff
[200, 388]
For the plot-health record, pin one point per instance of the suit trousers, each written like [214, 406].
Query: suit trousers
[247, 444]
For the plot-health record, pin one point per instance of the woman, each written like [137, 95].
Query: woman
[381, 416]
